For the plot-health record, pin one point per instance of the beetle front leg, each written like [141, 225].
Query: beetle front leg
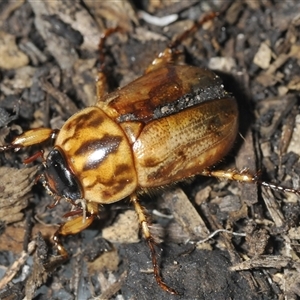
[75, 226]
[145, 228]
[30, 138]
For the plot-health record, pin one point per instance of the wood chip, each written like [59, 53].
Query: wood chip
[15, 191]
[124, 230]
[11, 56]
[263, 56]
[185, 213]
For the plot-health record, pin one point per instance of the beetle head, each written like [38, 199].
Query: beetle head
[58, 179]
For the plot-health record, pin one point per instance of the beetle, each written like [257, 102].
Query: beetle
[172, 123]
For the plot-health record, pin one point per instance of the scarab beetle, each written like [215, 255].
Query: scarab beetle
[170, 124]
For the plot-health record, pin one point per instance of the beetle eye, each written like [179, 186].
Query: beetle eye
[58, 177]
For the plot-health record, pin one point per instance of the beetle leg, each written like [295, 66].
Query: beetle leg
[30, 138]
[145, 228]
[245, 176]
[74, 226]
[101, 80]
[55, 203]
[189, 32]
[242, 176]
[171, 54]
[33, 157]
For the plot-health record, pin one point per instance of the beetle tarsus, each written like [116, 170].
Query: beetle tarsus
[156, 271]
[145, 228]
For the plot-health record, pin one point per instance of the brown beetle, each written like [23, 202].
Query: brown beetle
[170, 124]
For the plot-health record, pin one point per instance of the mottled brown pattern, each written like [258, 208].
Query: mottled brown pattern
[121, 168]
[95, 122]
[214, 125]
[149, 162]
[88, 120]
[91, 119]
[169, 88]
[120, 184]
[159, 88]
[83, 120]
[112, 186]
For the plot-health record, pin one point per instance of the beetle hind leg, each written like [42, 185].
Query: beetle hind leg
[246, 177]
[171, 54]
[102, 86]
[146, 231]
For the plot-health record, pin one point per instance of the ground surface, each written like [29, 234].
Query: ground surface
[48, 68]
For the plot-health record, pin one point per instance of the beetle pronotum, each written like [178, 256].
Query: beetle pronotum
[172, 123]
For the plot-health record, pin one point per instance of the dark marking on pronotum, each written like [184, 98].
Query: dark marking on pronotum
[98, 150]
[112, 186]
[115, 186]
[122, 168]
[91, 120]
